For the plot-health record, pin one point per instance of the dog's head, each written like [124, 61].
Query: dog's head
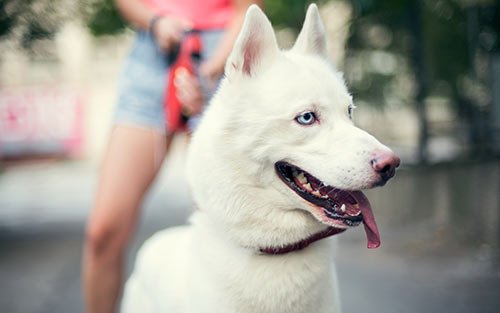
[277, 153]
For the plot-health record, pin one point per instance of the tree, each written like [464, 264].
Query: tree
[27, 21]
[442, 46]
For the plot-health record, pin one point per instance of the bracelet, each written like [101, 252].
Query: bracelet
[152, 23]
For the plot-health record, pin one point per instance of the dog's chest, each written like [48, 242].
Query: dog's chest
[281, 290]
[298, 283]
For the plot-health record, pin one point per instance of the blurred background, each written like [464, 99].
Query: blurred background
[425, 76]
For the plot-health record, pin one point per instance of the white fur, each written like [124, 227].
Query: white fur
[213, 265]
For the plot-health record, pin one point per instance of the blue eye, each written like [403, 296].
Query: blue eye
[350, 110]
[306, 118]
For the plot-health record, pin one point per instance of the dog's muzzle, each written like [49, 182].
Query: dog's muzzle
[332, 206]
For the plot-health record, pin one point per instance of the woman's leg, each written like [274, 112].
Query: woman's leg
[131, 163]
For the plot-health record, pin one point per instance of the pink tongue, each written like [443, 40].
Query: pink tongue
[371, 230]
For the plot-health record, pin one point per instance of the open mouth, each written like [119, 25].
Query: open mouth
[335, 207]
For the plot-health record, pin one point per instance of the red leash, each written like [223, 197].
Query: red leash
[187, 57]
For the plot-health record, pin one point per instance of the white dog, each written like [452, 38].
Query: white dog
[275, 165]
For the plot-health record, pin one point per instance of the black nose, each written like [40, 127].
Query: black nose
[385, 164]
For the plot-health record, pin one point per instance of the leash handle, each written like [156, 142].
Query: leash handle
[186, 56]
[173, 53]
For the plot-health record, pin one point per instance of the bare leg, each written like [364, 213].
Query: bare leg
[131, 163]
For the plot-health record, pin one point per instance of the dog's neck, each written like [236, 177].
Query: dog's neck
[296, 246]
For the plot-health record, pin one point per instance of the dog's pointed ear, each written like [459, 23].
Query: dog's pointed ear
[312, 38]
[255, 45]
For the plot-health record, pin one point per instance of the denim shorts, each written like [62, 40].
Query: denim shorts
[141, 87]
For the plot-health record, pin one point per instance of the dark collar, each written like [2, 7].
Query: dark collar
[296, 246]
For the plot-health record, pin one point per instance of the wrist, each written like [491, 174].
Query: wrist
[153, 22]
[211, 69]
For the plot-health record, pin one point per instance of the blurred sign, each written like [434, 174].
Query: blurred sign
[42, 120]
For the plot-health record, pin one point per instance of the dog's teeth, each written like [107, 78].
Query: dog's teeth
[342, 208]
[358, 212]
[316, 193]
[307, 187]
[302, 178]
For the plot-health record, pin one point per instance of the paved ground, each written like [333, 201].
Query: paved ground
[40, 273]
[43, 207]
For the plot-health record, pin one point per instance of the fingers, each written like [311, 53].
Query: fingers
[168, 31]
[211, 72]
[188, 91]
[207, 72]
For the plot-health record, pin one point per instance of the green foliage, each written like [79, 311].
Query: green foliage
[390, 18]
[448, 43]
[370, 7]
[286, 13]
[446, 50]
[105, 19]
[36, 31]
[6, 19]
[33, 20]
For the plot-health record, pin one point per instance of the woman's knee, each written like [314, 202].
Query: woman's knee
[106, 236]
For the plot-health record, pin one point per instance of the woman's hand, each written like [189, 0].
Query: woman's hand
[212, 69]
[168, 31]
[188, 91]
[188, 88]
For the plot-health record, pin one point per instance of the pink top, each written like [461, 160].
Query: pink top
[204, 14]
